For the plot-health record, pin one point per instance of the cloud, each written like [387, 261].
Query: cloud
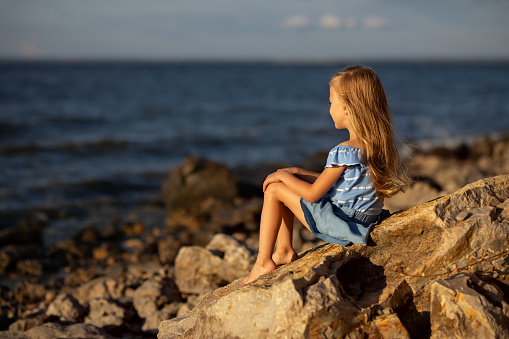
[374, 22]
[29, 49]
[350, 23]
[296, 21]
[329, 21]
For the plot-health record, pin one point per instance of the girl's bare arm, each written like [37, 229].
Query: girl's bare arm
[310, 191]
[302, 174]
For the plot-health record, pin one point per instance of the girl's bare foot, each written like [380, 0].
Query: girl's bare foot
[259, 268]
[284, 257]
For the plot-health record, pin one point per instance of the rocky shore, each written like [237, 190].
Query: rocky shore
[171, 267]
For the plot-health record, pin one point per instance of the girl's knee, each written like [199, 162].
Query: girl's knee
[274, 189]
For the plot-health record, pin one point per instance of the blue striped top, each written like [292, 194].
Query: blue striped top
[353, 189]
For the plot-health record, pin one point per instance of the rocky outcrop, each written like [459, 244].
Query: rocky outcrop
[464, 304]
[400, 285]
[119, 275]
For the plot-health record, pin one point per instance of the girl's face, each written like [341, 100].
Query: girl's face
[337, 110]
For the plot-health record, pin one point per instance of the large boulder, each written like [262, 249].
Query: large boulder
[383, 289]
[205, 197]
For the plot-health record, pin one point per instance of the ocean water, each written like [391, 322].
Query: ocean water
[76, 131]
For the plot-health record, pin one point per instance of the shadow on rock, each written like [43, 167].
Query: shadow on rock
[362, 280]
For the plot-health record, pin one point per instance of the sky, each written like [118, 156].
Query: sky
[301, 30]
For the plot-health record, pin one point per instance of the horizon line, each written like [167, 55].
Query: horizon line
[322, 61]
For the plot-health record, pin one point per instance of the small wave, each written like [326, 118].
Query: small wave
[96, 145]
[68, 147]
[19, 149]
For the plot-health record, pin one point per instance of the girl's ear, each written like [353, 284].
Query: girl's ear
[343, 106]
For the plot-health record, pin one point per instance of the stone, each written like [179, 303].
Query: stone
[333, 291]
[66, 307]
[195, 180]
[30, 267]
[150, 296]
[29, 293]
[20, 235]
[383, 326]
[105, 251]
[25, 324]
[464, 306]
[237, 257]
[152, 322]
[418, 193]
[98, 288]
[104, 312]
[167, 249]
[199, 270]
[55, 330]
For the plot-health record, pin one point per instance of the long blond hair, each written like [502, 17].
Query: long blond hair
[364, 96]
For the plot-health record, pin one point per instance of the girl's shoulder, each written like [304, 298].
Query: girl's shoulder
[351, 143]
[341, 155]
[346, 149]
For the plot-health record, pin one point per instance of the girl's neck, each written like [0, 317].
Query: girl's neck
[353, 141]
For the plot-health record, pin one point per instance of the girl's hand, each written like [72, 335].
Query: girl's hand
[273, 178]
[291, 170]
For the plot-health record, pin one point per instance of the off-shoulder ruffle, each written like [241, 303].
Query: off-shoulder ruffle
[342, 155]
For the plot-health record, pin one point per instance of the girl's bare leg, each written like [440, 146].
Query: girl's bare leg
[277, 196]
[285, 253]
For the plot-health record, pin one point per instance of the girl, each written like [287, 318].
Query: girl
[341, 204]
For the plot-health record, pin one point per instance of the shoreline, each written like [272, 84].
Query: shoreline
[137, 245]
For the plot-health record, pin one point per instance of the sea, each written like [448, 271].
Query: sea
[71, 132]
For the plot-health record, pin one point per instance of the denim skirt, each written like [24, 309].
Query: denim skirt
[337, 225]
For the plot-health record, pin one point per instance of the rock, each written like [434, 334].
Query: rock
[463, 306]
[275, 303]
[167, 248]
[152, 322]
[30, 267]
[66, 251]
[104, 312]
[20, 235]
[66, 307]
[153, 294]
[237, 258]
[12, 256]
[105, 251]
[198, 269]
[99, 288]
[418, 193]
[197, 179]
[453, 168]
[28, 293]
[333, 291]
[383, 326]
[55, 330]
[246, 215]
[26, 324]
